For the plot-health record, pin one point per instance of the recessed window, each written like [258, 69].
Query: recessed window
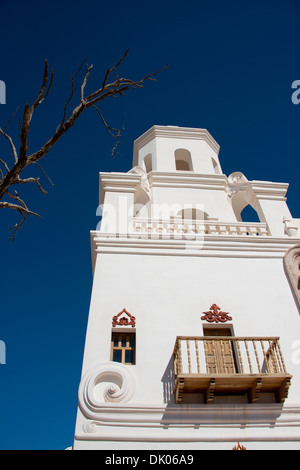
[181, 165]
[183, 160]
[123, 348]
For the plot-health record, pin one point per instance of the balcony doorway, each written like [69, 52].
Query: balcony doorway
[219, 354]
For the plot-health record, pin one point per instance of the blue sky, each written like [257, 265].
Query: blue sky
[231, 66]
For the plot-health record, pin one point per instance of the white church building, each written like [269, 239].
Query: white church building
[193, 337]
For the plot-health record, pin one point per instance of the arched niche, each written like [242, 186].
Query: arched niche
[183, 160]
[192, 214]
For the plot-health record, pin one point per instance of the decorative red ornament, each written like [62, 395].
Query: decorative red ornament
[124, 321]
[239, 447]
[216, 315]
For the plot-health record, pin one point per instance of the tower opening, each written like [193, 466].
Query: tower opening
[183, 160]
[249, 214]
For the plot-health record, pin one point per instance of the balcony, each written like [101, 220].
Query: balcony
[227, 365]
[184, 228]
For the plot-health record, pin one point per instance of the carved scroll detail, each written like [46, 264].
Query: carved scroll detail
[291, 262]
[126, 320]
[216, 315]
[107, 382]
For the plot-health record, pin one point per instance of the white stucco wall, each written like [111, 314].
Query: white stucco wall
[167, 283]
[167, 295]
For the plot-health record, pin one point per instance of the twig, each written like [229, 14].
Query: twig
[112, 130]
[73, 88]
[14, 150]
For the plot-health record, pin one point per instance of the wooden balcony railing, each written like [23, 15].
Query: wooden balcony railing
[227, 365]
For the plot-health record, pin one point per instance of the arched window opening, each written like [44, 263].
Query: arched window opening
[249, 214]
[193, 214]
[148, 163]
[183, 160]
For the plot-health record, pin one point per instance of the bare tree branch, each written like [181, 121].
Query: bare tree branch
[88, 70]
[45, 174]
[8, 123]
[21, 208]
[32, 180]
[43, 93]
[14, 150]
[117, 87]
[109, 71]
[73, 88]
[115, 133]
[17, 226]
[4, 164]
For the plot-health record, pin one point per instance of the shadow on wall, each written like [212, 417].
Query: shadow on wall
[238, 416]
[168, 381]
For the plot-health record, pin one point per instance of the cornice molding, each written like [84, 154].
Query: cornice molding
[269, 189]
[174, 132]
[228, 246]
[117, 182]
[254, 413]
[218, 423]
[187, 180]
[128, 182]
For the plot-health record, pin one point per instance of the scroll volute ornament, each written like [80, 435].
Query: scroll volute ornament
[126, 320]
[216, 315]
[291, 262]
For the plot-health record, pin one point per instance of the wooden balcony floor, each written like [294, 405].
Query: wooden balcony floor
[229, 384]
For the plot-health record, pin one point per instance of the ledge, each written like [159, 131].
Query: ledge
[225, 246]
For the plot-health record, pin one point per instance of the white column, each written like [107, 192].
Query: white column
[117, 201]
[270, 203]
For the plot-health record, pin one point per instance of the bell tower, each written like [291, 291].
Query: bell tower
[171, 148]
[194, 316]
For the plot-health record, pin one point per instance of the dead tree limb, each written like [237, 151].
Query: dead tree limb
[112, 86]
